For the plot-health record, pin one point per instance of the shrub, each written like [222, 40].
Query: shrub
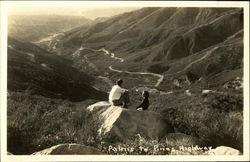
[217, 118]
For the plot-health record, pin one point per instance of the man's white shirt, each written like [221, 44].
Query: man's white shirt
[116, 93]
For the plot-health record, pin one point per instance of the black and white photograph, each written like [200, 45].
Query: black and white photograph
[95, 78]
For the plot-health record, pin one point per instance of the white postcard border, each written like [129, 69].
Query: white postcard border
[5, 5]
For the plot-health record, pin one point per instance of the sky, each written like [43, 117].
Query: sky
[88, 12]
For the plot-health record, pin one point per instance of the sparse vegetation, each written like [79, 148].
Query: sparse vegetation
[36, 122]
[215, 119]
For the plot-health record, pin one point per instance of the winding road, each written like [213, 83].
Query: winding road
[161, 77]
[112, 55]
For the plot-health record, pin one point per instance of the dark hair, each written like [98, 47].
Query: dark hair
[119, 82]
[145, 94]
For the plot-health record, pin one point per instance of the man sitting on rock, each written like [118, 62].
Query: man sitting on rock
[119, 96]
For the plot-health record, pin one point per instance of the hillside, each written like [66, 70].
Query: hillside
[176, 42]
[149, 26]
[36, 71]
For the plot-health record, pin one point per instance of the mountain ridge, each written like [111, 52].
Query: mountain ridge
[34, 70]
[160, 38]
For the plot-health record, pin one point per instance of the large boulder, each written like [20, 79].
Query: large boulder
[116, 124]
[69, 149]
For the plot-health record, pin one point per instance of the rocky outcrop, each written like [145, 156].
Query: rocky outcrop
[69, 149]
[113, 123]
[220, 150]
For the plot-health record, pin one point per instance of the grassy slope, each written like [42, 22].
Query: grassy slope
[36, 122]
[36, 119]
[217, 119]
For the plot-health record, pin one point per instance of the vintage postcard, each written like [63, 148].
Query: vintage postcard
[124, 81]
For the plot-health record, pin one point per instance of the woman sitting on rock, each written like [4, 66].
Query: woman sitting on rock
[145, 103]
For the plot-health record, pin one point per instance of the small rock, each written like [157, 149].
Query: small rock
[206, 91]
[170, 92]
[187, 92]
[140, 109]
[224, 150]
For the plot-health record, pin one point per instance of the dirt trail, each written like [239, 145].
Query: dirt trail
[161, 77]
[112, 55]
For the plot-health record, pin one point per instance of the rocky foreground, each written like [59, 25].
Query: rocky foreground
[115, 125]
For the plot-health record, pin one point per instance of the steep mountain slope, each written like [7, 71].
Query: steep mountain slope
[167, 41]
[149, 22]
[35, 27]
[103, 31]
[36, 71]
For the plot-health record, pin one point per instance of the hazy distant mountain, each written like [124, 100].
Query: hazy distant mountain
[35, 27]
[36, 71]
[168, 40]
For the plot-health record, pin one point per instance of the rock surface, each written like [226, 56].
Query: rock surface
[113, 124]
[224, 150]
[69, 149]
